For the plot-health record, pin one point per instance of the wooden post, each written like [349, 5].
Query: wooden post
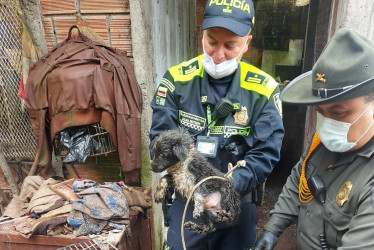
[71, 170]
[8, 174]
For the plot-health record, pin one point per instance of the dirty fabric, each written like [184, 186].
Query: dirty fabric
[100, 206]
[35, 197]
[24, 226]
[52, 221]
[82, 184]
[52, 218]
[44, 225]
[43, 198]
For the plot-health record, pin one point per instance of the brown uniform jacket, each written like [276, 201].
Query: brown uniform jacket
[81, 82]
[350, 226]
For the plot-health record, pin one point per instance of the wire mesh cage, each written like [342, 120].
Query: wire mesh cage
[97, 242]
[16, 136]
[98, 135]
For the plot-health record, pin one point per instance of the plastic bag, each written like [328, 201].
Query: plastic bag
[80, 144]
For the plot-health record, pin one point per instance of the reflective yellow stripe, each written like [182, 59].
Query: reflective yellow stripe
[264, 84]
[186, 71]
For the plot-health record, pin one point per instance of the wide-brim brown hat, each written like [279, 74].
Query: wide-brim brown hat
[344, 70]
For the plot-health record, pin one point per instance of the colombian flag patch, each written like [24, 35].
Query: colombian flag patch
[162, 91]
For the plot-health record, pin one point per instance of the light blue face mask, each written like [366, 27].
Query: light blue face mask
[334, 134]
[223, 69]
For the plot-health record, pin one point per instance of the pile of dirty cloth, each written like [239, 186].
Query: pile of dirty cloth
[40, 211]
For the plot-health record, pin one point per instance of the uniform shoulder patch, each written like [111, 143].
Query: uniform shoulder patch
[252, 78]
[186, 71]
[160, 101]
[278, 103]
[168, 84]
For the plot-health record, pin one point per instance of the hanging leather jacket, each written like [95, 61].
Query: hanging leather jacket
[82, 82]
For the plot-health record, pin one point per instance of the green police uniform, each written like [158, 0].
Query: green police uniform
[348, 211]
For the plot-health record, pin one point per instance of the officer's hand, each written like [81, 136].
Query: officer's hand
[266, 241]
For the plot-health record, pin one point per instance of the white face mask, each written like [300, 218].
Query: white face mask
[334, 134]
[223, 69]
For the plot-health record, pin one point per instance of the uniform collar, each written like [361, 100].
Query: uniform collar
[233, 92]
[367, 150]
[346, 158]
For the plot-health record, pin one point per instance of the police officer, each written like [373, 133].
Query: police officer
[187, 96]
[338, 212]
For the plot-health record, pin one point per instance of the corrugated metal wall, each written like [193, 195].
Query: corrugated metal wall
[174, 37]
[174, 33]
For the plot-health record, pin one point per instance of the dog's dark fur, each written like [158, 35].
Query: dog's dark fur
[174, 150]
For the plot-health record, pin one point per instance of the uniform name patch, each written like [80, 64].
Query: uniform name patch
[228, 131]
[191, 121]
[162, 91]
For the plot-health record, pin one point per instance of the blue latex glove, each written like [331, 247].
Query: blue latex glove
[266, 241]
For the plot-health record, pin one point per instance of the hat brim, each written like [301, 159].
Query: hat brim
[239, 28]
[299, 91]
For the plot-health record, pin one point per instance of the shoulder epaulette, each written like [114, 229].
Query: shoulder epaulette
[186, 71]
[252, 78]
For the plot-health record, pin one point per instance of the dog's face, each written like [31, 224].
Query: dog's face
[169, 148]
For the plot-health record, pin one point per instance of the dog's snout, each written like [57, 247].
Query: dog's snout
[155, 166]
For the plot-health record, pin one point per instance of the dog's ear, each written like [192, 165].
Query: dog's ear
[180, 152]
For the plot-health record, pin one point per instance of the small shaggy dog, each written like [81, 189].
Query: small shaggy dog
[175, 151]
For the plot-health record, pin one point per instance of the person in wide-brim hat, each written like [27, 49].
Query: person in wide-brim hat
[344, 70]
[330, 191]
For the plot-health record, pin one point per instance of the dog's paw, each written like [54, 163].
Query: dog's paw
[197, 212]
[200, 229]
[159, 196]
[225, 216]
[190, 225]
[160, 192]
